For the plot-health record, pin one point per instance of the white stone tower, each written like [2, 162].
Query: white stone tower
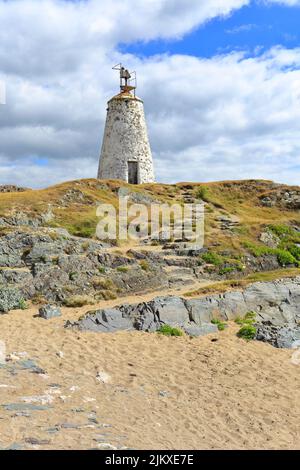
[126, 153]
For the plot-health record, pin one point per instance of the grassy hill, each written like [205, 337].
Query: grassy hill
[249, 225]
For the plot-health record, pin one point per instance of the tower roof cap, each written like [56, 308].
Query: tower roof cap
[126, 95]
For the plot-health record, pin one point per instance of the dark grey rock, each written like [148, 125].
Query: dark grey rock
[49, 311]
[276, 305]
[107, 320]
[170, 310]
[280, 337]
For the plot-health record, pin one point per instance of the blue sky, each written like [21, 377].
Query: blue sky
[253, 28]
[220, 80]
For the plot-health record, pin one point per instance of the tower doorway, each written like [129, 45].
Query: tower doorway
[133, 173]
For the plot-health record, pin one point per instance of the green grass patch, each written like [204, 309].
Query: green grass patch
[248, 319]
[202, 193]
[123, 269]
[145, 265]
[226, 270]
[168, 330]
[221, 325]
[212, 258]
[284, 256]
[23, 305]
[247, 332]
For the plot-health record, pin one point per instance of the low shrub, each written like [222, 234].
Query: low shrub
[123, 269]
[221, 325]
[248, 319]
[247, 332]
[102, 283]
[202, 193]
[168, 330]
[22, 304]
[212, 258]
[78, 301]
[144, 265]
[285, 258]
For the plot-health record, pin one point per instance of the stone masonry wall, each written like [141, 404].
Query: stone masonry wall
[125, 139]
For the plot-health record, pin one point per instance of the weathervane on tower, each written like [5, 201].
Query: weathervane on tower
[128, 81]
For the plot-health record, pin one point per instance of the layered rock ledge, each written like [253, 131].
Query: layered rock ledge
[276, 304]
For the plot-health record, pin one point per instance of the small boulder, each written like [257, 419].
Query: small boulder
[49, 311]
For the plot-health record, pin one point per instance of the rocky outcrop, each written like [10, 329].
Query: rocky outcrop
[277, 305]
[147, 316]
[288, 198]
[56, 266]
[10, 188]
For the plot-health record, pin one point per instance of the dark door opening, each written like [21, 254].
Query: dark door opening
[133, 170]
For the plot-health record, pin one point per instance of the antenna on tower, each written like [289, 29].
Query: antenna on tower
[128, 80]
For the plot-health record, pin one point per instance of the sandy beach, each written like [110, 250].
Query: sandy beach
[134, 390]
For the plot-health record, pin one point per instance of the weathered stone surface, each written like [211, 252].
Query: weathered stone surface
[279, 336]
[47, 263]
[275, 303]
[169, 310]
[288, 198]
[125, 111]
[107, 320]
[49, 311]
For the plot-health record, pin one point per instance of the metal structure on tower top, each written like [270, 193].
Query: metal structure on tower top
[128, 81]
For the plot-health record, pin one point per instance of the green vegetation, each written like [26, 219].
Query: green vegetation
[281, 230]
[22, 304]
[248, 330]
[284, 256]
[123, 269]
[226, 264]
[73, 276]
[226, 270]
[221, 325]
[144, 265]
[202, 193]
[211, 257]
[84, 229]
[248, 319]
[295, 251]
[168, 330]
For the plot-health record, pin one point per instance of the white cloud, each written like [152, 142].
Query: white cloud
[224, 117]
[290, 3]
